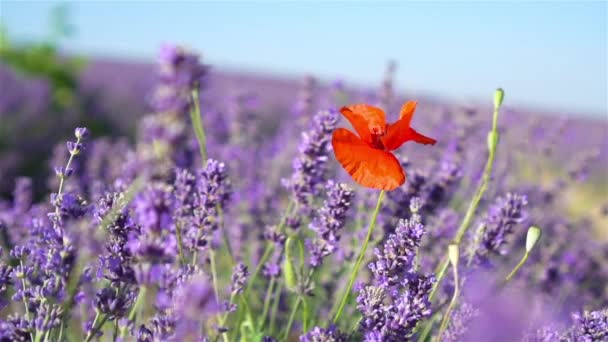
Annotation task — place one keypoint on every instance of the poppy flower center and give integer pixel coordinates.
(377, 133)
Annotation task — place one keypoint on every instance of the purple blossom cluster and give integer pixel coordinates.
(398, 299)
(329, 220)
(310, 166)
(506, 214)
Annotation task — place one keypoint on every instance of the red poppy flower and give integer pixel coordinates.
(367, 157)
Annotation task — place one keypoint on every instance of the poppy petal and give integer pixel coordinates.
(400, 131)
(365, 119)
(407, 111)
(369, 167)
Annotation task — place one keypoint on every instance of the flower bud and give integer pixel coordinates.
(453, 254)
(534, 234)
(81, 132)
(288, 269)
(499, 95)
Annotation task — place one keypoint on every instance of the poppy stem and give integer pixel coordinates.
(454, 256)
(355, 271)
(519, 265)
(481, 189)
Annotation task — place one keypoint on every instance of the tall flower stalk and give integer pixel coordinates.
(468, 218)
(355, 271)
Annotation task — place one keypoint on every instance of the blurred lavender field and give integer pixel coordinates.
(130, 233)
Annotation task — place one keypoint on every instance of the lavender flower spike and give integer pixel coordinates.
(502, 217)
(310, 165)
(329, 221)
(399, 298)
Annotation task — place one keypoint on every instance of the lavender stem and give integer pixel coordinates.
(357, 266)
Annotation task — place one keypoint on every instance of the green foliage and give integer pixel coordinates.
(42, 60)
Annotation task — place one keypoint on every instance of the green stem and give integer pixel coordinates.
(357, 266)
(305, 315)
(267, 298)
(267, 251)
(519, 265)
(225, 317)
(275, 307)
(62, 178)
(95, 329)
(468, 218)
(446, 316)
(292, 315)
(27, 310)
(225, 237)
(60, 337)
(115, 332)
(258, 268)
(197, 123)
(214, 275)
(427, 328)
(141, 296)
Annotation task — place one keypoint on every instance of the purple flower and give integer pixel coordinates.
(144, 334)
(81, 132)
(318, 334)
(179, 72)
(502, 217)
(193, 300)
(239, 279)
(114, 302)
(117, 261)
(589, 326)
(328, 222)
(545, 334)
(398, 299)
(459, 323)
(395, 259)
(212, 193)
(309, 167)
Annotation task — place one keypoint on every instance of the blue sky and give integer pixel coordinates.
(545, 55)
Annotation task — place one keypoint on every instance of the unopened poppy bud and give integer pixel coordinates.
(288, 269)
(534, 234)
(499, 95)
(492, 140)
(453, 254)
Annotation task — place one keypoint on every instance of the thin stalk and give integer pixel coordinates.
(115, 332)
(267, 298)
(141, 296)
(519, 265)
(292, 315)
(225, 317)
(448, 311)
(214, 276)
(60, 337)
(275, 307)
(225, 237)
(258, 268)
(197, 123)
(62, 178)
(468, 218)
(27, 310)
(95, 329)
(267, 251)
(305, 314)
(427, 328)
(357, 266)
